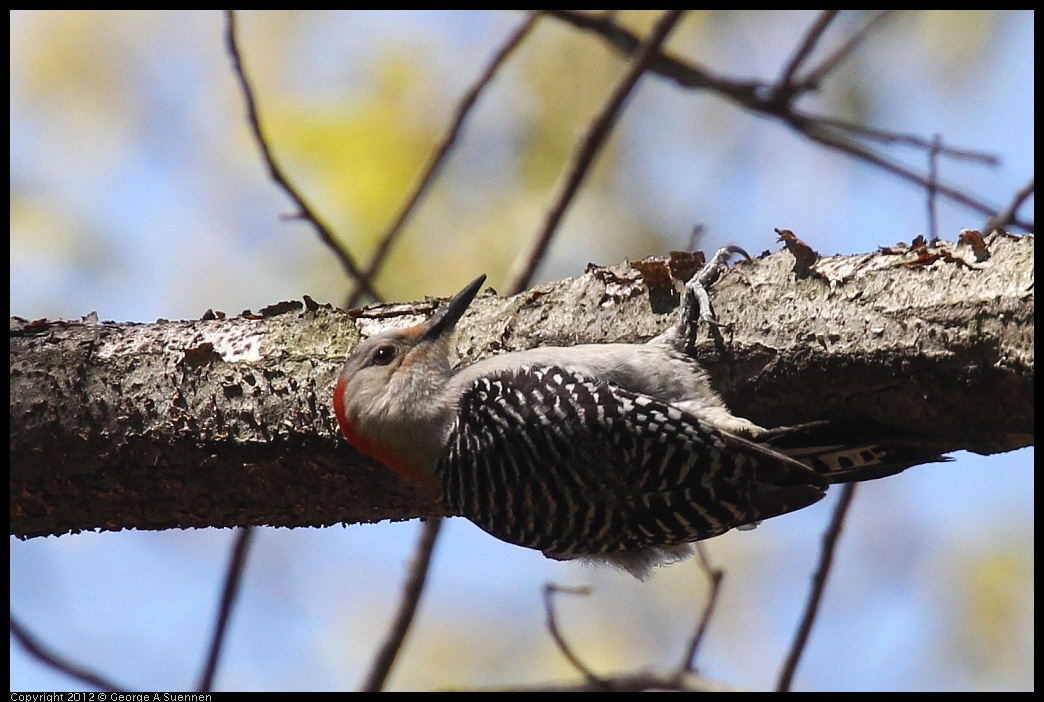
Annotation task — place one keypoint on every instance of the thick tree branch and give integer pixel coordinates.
(227, 422)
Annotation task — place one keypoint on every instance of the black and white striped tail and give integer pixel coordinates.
(851, 451)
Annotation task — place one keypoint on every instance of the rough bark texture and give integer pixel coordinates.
(228, 422)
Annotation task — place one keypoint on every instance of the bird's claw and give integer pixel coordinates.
(697, 299)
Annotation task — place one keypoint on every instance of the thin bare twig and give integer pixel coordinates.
(933, 177)
(826, 560)
(911, 140)
(304, 210)
(233, 577)
(439, 157)
(589, 147)
(644, 680)
(833, 60)
(412, 590)
(753, 96)
(550, 590)
(1007, 216)
(628, 43)
(714, 577)
(813, 129)
(786, 84)
(698, 232)
(36, 649)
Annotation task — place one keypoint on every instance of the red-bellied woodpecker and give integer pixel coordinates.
(616, 452)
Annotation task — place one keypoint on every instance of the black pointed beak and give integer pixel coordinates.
(447, 317)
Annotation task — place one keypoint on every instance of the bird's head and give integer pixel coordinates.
(388, 396)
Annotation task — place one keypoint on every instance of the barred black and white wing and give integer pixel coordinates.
(573, 466)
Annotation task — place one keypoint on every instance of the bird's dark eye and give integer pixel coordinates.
(384, 355)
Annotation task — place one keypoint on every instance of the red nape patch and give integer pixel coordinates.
(339, 410)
